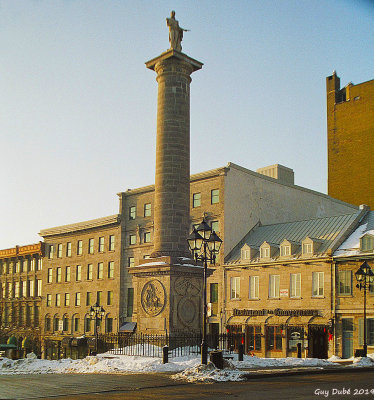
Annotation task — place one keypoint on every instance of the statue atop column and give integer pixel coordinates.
(175, 32)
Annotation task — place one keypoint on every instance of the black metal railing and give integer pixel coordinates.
(179, 344)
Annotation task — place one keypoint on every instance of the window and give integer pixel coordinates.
(99, 298)
(65, 323)
(146, 257)
(91, 244)
(254, 338)
(58, 300)
(318, 279)
(369, 331)
(132, 239)
(196, 200)
(56, 323)
(274, 338)
(253, 287)
(17, 266)
(131, 262)
(58, 274)
(78, 273)
(111, 269)
(215, 226)
(24, 289)
(39, 287)
(51, 250)
(214, 196)
(345, 282)
(89, 272)
(79, 247)
(101, 244)
(367, 243)
(88, 299)
(49, 276)
(67, 299)
(68, 249)
(214, 298)
(307, 248)
(274, 286)
(245, 254)
(48, 324)
(109, 325)
(285, 250)
(265, 252)
(130, 301)
(31, 288)
(88, 325)
(295, 285)
(112, 240)
(49, 300)
(132, 212)
(24, 265)
(59, 250)
(110, 298)
(235, 287)
(77, 299)
(39, 264)
(16, 290)
(100, 271)
(147, 210)
(67, 274)
(76, 324)
(147, 237)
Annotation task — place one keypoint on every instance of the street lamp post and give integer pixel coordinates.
(365, 278)
(96, 312)
(204, 244)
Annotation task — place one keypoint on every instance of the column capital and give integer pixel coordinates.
(176, 55)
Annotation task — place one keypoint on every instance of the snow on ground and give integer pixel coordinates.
(186, 367)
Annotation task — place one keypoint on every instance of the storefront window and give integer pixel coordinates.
(253, 338)
(274, 338)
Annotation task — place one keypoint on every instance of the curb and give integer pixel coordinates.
(328, 370)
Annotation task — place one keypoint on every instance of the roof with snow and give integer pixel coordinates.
(351, 246)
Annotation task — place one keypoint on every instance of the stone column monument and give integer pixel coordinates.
(168, 286)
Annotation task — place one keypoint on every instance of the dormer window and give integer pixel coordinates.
(265, 252)
(248, 253)
(367, 242)
(285, 250)
(308, 248)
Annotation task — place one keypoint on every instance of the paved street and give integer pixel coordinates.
(160, 386)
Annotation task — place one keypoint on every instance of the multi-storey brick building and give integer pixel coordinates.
(81, 267)
(350, 136)
(21, 295)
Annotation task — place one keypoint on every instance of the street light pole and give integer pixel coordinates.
(204, 244)
(97, 312)
(365, 278)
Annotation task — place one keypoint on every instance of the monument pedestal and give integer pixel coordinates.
(168, 295)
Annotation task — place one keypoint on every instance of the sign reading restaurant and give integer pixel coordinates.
(277, 311)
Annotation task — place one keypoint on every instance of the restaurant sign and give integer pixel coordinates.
(277, 312)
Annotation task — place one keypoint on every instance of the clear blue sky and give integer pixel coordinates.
(78, 106)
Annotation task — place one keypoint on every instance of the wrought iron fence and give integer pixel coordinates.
(152, 345)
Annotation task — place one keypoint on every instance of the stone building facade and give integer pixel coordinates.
(21, 288)
(81, 267)
(350, 136)
(348, 307)
(279, 287)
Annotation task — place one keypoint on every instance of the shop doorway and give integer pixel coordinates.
(318, 341)
(347, 328)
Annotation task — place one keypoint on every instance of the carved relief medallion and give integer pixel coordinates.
(186, 311)
(153, 297)
(187, 287)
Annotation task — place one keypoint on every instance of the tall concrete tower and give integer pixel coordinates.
(172, 183)
(167, 288)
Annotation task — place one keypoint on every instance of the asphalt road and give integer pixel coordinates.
(161, 386)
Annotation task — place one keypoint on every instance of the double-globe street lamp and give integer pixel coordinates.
(204, 244)
(365, 278)
(97, 312)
